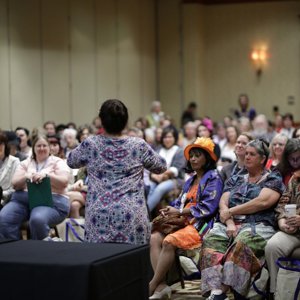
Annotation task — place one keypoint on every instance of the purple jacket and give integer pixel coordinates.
(208, 197)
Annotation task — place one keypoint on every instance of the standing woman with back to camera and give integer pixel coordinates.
(116, 208)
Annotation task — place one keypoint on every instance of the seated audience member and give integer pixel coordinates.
(84, 131)
(244, 110)
(135, 132)
(288, 125)
(288, 238)
(296, 133)
(36, 168)
(288, 160)
(55, 147)
(50, 128)
(166, 121)
(276, 149)
(8, 165)
(77, 193)
(278, 123)
(23, 135)
(189, 114)
(198, 202)
(97, 126)
(233, 251)
(190, 134)
(69, 139)
(157, 138)
(205, 129)
(156, 116)
(141, 123)
(228, 121)
(227, 153)
(60, 129)
(71, 125)
(237, 166)
(261, 128)
(244, 125)
(220, 136)
(161, 184)
(13, 143)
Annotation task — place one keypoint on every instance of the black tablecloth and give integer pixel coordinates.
(39, 270)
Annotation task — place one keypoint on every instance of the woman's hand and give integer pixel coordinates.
(38, 177)
(225, 215)
(231, 230)
(285, 227)
(285, 199)
(169, 210)
(78, 185)
(158, 178)
(293, 221)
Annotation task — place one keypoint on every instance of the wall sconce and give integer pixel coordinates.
(259, 59)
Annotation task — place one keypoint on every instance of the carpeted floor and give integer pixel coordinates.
(191, 291)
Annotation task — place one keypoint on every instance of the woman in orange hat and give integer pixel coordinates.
(199, 202)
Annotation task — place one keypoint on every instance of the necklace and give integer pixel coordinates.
(255, 179)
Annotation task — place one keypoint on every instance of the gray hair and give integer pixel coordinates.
(262, 148)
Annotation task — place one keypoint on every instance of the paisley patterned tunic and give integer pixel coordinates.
(116, 208)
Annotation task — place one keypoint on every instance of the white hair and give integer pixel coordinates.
(69, 131)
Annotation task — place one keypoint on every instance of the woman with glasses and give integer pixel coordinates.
(233, 251)
(284, 242)
(289, 161)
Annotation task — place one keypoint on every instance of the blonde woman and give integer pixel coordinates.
(276, 150)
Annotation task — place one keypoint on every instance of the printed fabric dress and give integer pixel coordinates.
(116, 208)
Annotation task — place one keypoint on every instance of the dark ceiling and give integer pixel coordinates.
(214, 2)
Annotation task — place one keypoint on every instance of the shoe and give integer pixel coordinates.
(218, 297)
(163, 294)
(238, 296)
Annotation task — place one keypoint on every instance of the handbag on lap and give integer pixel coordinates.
(39, 194)
(169, 224)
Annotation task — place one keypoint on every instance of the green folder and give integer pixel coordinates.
(39, 194)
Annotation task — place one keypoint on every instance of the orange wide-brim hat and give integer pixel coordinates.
(204, 143)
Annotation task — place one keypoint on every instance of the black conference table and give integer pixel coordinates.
(39, 270)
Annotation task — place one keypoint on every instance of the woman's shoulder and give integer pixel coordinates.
(213, 175)
(26, 162)
(273, 174)
(13, 159)
(56, 160)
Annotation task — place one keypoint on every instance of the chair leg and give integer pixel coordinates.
(179, 270)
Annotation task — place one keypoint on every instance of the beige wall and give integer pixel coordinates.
(61, 59)
(216, 42)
